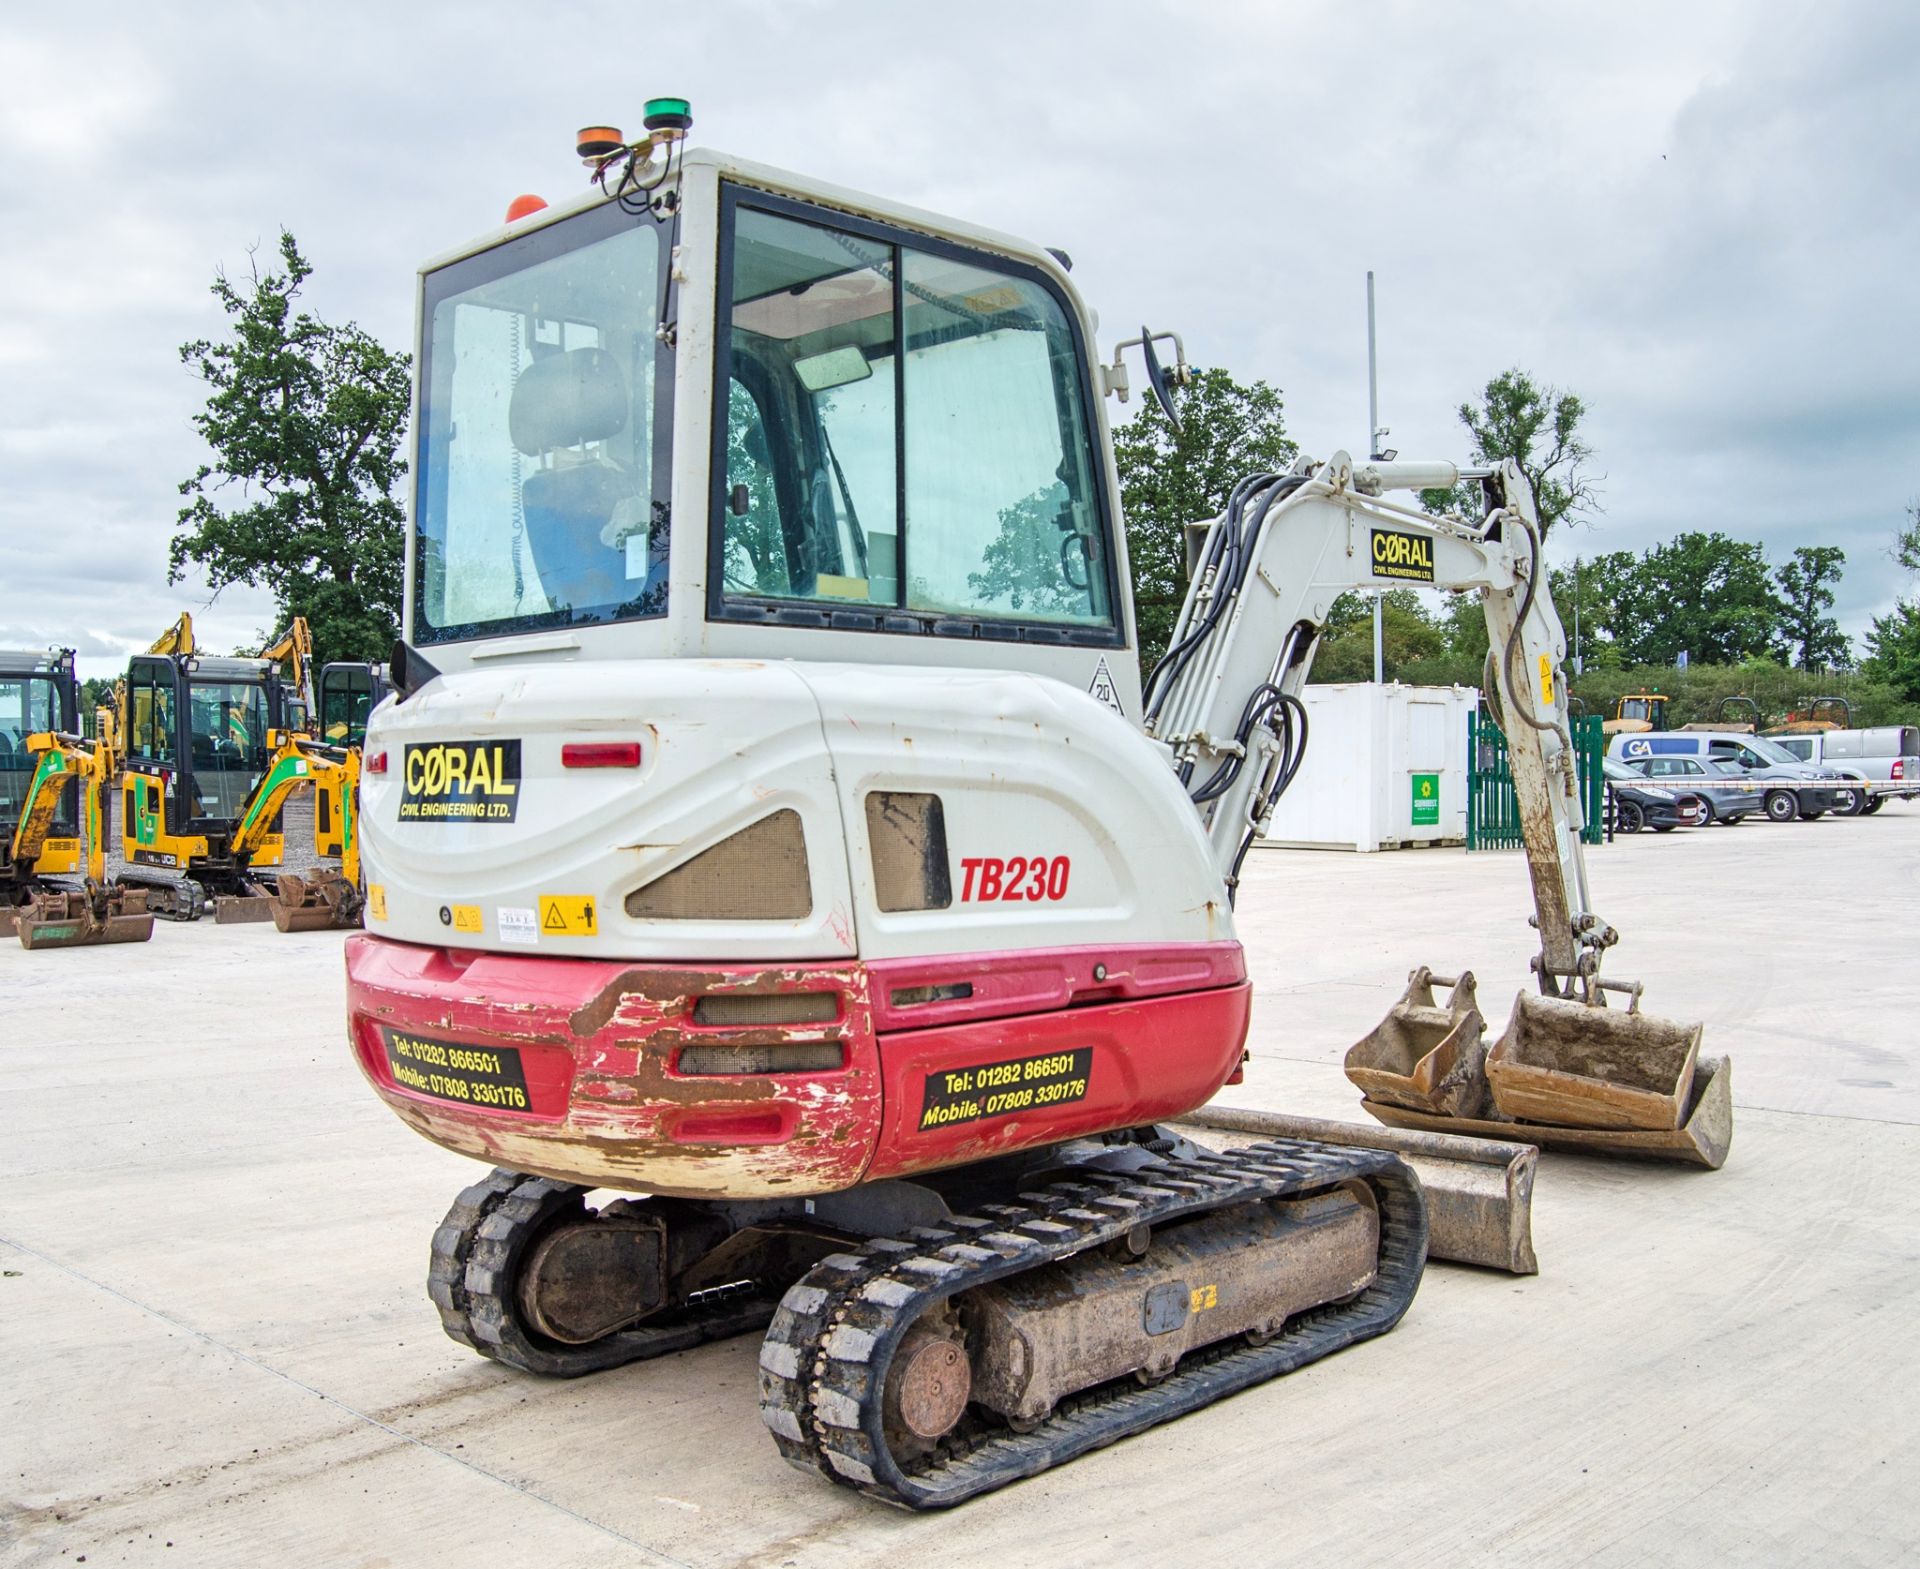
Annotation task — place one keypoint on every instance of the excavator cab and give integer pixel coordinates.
(39, 693)
(196, 745)
(349, 691)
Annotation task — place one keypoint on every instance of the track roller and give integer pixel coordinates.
(1051, 1332)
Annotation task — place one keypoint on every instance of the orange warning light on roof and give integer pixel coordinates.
(524, 207)
(599, 141)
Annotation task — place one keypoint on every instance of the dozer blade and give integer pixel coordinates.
(1425, 1057)
(81, 920)
(230, 909)
(1479, 1192)
(1571, 1064)
(316, 901)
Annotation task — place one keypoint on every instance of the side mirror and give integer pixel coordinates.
(1160, 380)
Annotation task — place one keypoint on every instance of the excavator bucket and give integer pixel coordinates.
(316, 901)
(231, 909)
(82, 919)
(1571, 1064)
(1425, 1057)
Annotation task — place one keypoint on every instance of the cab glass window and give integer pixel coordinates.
(227, 730)
(541, 487)
(26, 708)
(904, 433)
(346, 698)
(150, 712)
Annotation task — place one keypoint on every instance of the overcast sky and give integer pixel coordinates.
(1701, 217)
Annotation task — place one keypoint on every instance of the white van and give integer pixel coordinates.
(1788, 787)
(1886, 758)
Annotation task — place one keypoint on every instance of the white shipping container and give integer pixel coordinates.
(1378, 757)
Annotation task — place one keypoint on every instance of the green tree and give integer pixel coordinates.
(306, 418)
(1704, 595)
(1893, 650)
(1408, 635)
(1539, 428)
(1168, 480)
(1806, 596)
(1893, 644)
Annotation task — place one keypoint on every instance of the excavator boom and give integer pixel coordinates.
(1225, 700)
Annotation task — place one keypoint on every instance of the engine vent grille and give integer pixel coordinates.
(807, 1057)
(767, 1008)
(758, 874)
(908, 835)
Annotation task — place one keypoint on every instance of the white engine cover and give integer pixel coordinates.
(1034, 777)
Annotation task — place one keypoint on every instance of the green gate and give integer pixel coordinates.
(1493, 815)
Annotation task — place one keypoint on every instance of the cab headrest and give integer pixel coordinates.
(567, 399)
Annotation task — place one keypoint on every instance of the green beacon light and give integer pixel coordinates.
(668, 118)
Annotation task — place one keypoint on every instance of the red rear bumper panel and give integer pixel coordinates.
(573, 1068)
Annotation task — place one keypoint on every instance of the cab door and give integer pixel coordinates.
(153, 801)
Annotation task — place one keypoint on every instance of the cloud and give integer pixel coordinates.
(1709, 239)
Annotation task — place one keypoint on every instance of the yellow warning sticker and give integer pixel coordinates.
(377, 901)
(1546, 679)
(466, 918)
(567, 915)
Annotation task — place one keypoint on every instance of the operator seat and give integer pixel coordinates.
(560, 404)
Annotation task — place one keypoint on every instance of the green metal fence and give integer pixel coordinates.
(1493, 815)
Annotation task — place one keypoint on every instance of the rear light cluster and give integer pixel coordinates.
(1899, 768)
(374, 763)
(600, 754)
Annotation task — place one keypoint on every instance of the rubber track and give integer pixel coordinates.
(476, 1253)
(823, 1365)
(186, 899)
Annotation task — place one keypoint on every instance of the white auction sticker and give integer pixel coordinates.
(518, 924)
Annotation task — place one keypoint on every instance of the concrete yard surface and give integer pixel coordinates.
(218, 1350)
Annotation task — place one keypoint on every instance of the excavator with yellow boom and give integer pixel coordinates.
(211, 757)
(771, 824)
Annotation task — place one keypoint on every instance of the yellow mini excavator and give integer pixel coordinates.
(38, 694)
(58, 764)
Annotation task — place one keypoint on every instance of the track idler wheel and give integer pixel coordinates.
(928, 1385)
(85, 919)
(314, 901)
(525, 1273)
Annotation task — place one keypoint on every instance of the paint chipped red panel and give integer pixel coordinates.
(599, 1043)
(1151, 1059)
(608, 1104)
(1041, 979)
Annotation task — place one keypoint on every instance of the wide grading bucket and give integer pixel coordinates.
(1426, 1057)
(81, 919)
(1574, 1065)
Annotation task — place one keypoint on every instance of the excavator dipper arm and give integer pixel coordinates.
(1225, 700)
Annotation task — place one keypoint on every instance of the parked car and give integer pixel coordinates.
(1638, 804)
(1718, 781)
(1885, 758)
(1788, 789)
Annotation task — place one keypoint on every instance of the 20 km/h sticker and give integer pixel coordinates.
(997, 1089)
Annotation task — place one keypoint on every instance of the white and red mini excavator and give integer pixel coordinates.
(770, 823)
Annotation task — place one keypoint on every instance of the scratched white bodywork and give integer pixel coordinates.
(1024, 766)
